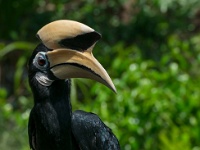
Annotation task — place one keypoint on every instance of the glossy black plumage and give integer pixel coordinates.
(91, 133)
(52, 126)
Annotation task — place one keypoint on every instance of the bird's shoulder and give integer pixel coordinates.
(91, 133)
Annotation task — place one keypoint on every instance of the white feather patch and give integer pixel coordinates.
(43, 79)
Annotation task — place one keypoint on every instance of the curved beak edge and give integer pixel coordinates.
(66, 63)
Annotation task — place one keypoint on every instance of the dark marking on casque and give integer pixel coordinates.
(81, 42)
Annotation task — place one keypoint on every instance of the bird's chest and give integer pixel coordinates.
(51, 131)
(46, 119)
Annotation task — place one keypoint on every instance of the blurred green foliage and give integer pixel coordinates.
(150, 49)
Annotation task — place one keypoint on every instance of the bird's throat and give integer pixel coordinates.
(60, 100)
(53, 117)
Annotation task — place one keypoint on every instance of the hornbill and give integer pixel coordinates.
(65, 52)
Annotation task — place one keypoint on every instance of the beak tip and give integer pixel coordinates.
(115, 91)
(112, 87)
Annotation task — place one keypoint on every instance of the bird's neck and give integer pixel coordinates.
(55, 115)
(60, 100)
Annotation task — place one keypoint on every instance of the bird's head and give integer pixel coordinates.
(66, 52)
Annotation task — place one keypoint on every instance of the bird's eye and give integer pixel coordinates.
(40, 61)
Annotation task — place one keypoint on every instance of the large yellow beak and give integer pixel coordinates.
(67, 63)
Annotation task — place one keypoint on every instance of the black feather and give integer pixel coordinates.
(91, 133)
